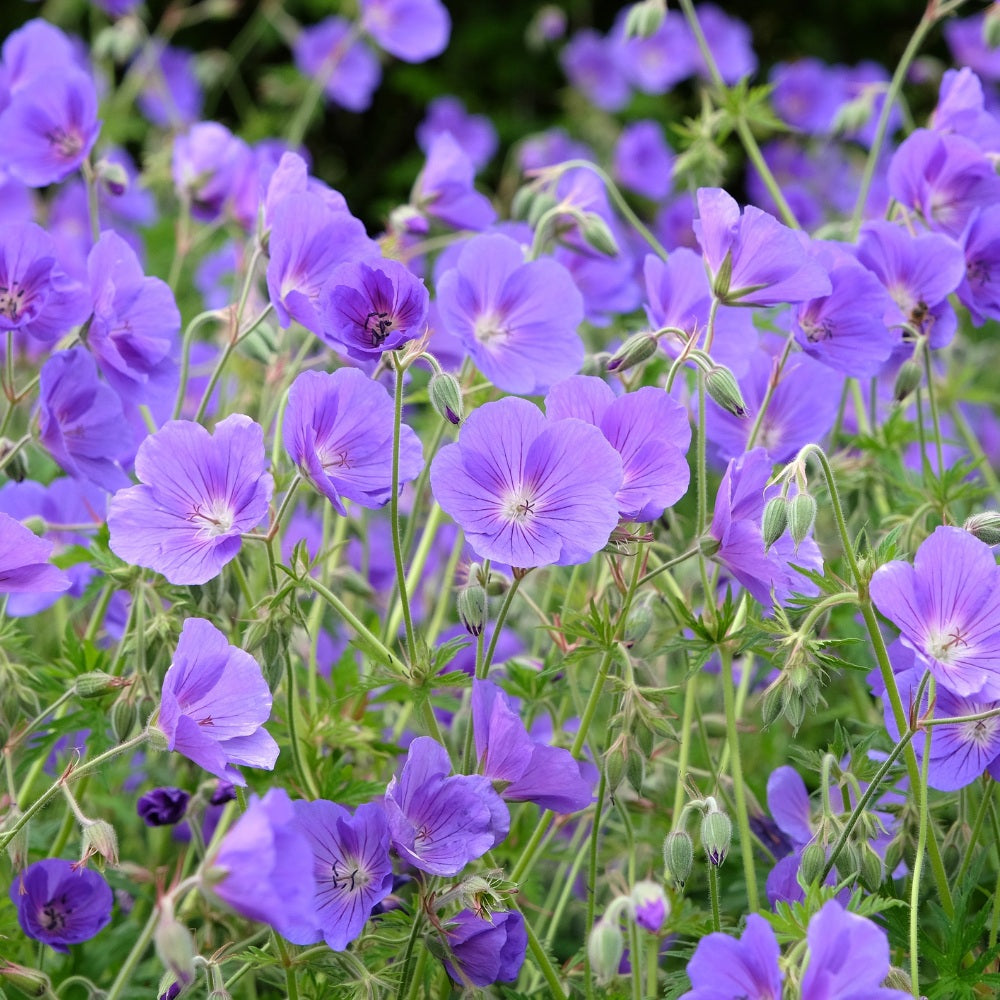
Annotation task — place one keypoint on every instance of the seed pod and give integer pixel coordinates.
(614, 768)
(638, 348)
(472, 608)
(446, 397)
(775, 520)
(801, 516)
(721, 385)
(812, 864)
(678, 856)
(908, 379)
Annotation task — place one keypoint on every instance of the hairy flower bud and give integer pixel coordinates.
(446, 397)
(605, 947)
(801, 516)
(31, 982)
(638, 348)
(16, 468)
(985, 526)
(678, 856)
(908, 379)
(637, 623)
(598, 234)
(614, 767)
(645, 19)
(472, 608)
(635, 769)
(716, 836)
(174, 945)
(543, 202)
(775, 520)
(94, 683)
(812, 864)
(650, 905)
(721, 385)
(99, 841)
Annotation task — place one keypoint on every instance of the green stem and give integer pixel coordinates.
(484, 668)
(367, 637)
(291, 980)
(713, 895)
(292, 708)
(918, 864)
(592, 876)
(200, 320)
(736, 771)
(404, 980)
(397, 552)
(772, 384)
(684, 750)
(977, 827)
(133, 957)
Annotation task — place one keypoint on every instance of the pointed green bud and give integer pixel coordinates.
(31, 982)
(96, 682)
(645, 19)
(635, 769)
(605, 947)
(472, 608)
(521, 203)
(100, 842)
(17, 467)
(812, 864)
(908, 379)
(720, 283)
(112, 175)
(446, 397)
(985, 526)
(991, 27)
(898, 980)
(644, 737)
(542, 202)
(175, 947)
(124, 718)
(775, 520)
(872, 870)
(721, 385)
(596, 364)
(638, 348)
(156, 738)
(598, 234)
(716, 836)
(614, 768)
(638, 622)
(793, 707)
(678, 857)
(771, 705)
(801, 516)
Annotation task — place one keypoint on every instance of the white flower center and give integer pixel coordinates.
(489, 329)
(519, 505)
(215, 519)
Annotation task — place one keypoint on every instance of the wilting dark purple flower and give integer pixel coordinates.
(439, 822)
(919, 272)
(474, 133)
(944, 178)
(643, 160)
(171, 95)
(411, 30)
(134, 328)
(514, 482)
(736, 525)
(214, 704)
(596, 66)
(753, 259)
(198, 493)
(530, 770)
(372, 307)
(309, 240)
(445, 188)
(484, 951)
(50, 126)
(263, 868)
(330, 52)
(517, 319)
(59, 903)
(351, 865)
(748, 968)
(206, 163)
(81, 422)
(36, 296)
(647, 428)
(163, 806)
(338, 430)
(947, 608)
(848, 958)
(24, 561)
(846, 329)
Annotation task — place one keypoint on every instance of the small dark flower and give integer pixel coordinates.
(162, 806)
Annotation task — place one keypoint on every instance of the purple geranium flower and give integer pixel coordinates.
(81, 421)
(647, 428)
(518, 319)
(207, 161)
(979, 291)
(723, 967)
(484, 951)
(530, 770)
(411, 30)
(24, 561)
(439, 822)
(947, 608)
(338, 430)
(134, 327)
(961, 109)
(655, 64)
(474, 133)
(263, 868)
(329, 51)
(351, 864)
(59, 903)
(171, 95)
(198, 494)
(596, 66)
(643, 160)
(50, 126)
(753, 259)
(372, 307)
(445, 189)
(214, 703)
(163, 806)
(35, 50)
(515, 483)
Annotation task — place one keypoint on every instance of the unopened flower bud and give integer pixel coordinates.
(678, 856)
(124, 717)
(446, 397)
(31, 982)
(801, 516)
(716, 836)
(898, 979)
(635, 769)
(540, 204)
(908, 379)
(872, 871)
(605, 947)
(650, 905)
(598, 234)
(175, 947)
(793, 707)
(771, 707)
(985, 526)
(991, 27)
(112, 176)
(812, 864)
(520, 204)
(637, 623)
(645, 19)
(472, 607)
(614, 767)
(99, 841)
(775, 520)
(596, 364)
(16, 468)
(721, 385)
(95, 683)
(638, 348)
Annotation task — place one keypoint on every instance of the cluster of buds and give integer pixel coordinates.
(716, 833)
